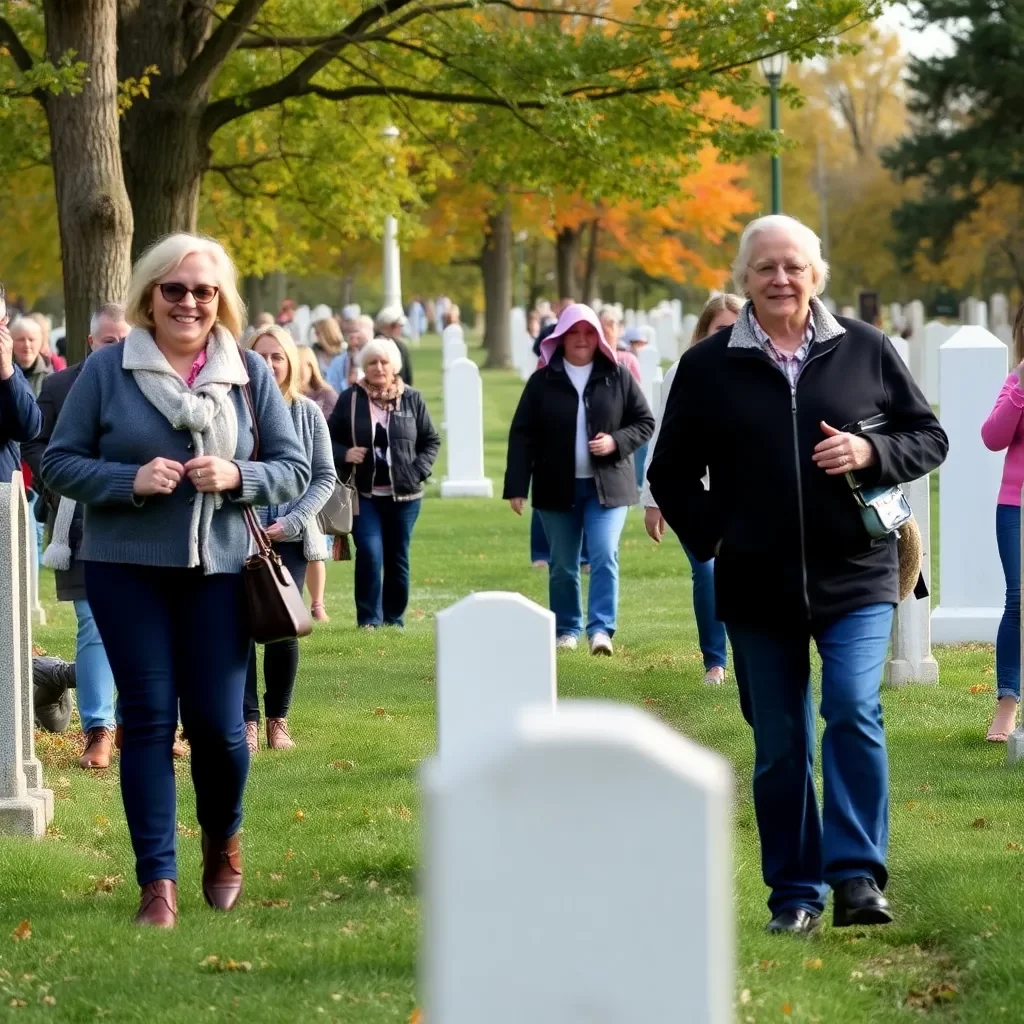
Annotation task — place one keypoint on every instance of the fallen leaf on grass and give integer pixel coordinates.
(276, 904)
(344, 766)
(214, 963)
(910, 805)
(300, 815)
(814, 965)
(1013, 846)
(416, 1017)
(16, 1003)
(934, 995)
(979, 823)
(787, 1010)
(23, 932)
(983, 688)
(49, 1001)
(38, 651)
(275, 878)
(767, 965)
(105, 883)
(745, 997)
(381, 713)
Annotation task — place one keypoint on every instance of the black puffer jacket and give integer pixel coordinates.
(542, 438)
(792, 543)
(413, 442)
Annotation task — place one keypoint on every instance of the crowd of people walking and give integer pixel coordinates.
(185, 433)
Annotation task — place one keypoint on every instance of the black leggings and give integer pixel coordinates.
(281, 659)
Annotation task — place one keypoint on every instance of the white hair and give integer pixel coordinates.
(23, 321)
(806, 240)
(381, 347)
(109, 311)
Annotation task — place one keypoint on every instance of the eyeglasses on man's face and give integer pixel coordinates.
(767, 270)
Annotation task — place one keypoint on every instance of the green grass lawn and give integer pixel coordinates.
(328, 925)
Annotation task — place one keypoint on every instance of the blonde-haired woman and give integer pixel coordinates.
(718, 312)
(328, 343)
(312, 383)
(156, 441)
(388, 455)
(296, 536)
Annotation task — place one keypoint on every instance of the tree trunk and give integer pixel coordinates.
(567, 244)
(496, 265)
(533, 279)
(92, 204)
(252, 293)
(590, 273)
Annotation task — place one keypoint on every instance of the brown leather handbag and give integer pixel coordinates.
(276, 609)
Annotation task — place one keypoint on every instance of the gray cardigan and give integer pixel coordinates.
(299, 516)
(108, 429)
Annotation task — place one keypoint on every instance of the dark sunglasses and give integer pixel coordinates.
(174, 291)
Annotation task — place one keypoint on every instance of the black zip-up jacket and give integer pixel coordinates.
(792, 543)
(542, 438)
(412, 442)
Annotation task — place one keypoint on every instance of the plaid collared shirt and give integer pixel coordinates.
(790, 363)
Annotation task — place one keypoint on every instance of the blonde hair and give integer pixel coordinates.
(808, 242)
(381, 347)
(291, 388)
(715, 305)
(307, 357)
(328, 335)
(44, 330)
(167, 255)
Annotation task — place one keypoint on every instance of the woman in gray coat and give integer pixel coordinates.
(296, 534)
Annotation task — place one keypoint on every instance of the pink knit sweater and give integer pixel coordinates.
(1004, 430)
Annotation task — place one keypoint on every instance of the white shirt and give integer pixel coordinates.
(579, 375)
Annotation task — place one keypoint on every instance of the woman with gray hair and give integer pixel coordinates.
(788, 411)
(385, 443)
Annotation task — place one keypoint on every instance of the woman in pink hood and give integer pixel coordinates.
(579, 421)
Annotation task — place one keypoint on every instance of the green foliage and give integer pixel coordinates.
(968, 110)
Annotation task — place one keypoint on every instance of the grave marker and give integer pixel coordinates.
(453, 345)
(464, 426)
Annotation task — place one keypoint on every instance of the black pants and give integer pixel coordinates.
(281, 659)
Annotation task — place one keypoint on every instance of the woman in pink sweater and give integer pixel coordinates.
(1004, 431)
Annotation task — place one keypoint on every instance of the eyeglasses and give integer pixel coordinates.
(770, 270)
(175, 291)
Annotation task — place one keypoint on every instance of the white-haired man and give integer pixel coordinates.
(781, 410)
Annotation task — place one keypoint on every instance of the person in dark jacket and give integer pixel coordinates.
(580, 418)
(95, 679)
(770, 408)
(20, 418)
(388, 455)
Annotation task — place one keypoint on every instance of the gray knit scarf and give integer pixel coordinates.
(205, 410)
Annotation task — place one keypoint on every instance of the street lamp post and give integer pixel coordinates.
(773, 67)
(392, 256)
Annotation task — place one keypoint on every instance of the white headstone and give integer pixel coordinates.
(300, 325)
(25, 807)
(630, 318)
(35, 606)
(902, 346)
(453, 345)
(896, 317)
(1004, 332)
(910, 660)
(580, 872)
(650, 367)
(479, 698)
(661, 321)
(914, 314)
(925, 363)
(999, 310)
(974, 365)
(522, 344)
(464, 424)
(686, 331)
(677, 316)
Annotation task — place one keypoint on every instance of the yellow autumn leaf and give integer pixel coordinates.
(23, 932)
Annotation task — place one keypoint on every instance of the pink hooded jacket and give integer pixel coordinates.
(572, 315)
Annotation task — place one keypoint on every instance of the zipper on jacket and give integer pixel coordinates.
(586, 406)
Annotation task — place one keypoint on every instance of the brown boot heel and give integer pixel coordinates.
(158, 905)
(222, 871)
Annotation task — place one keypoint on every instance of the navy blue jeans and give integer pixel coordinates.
(1008, 635)
(280, 659)
(170, 635)
(801, 855)
(382, 532)
(710, 632)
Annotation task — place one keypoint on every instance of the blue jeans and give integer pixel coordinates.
(1008, 636)
(710, 632)
(175, 634)
(640, 464)
(540, 550)
(382, 532)
(565, 531)
(95, 685)
(801, 855)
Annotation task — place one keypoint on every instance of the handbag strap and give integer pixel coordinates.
(259, 535)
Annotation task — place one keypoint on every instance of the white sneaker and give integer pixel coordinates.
(566, 642)
(601, 643)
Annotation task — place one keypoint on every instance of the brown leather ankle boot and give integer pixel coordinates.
(158, 906)
(97, 748)
(222, 871)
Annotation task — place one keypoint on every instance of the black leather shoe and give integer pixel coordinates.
(793, 922)
(858, 901)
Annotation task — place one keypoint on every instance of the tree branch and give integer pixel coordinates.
(197, 78)
(9, 38)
